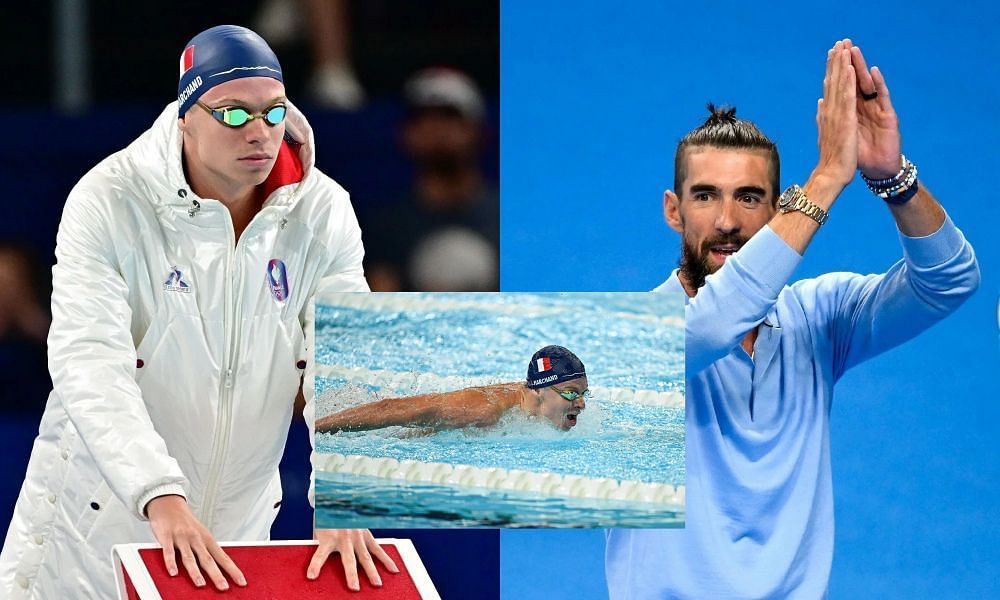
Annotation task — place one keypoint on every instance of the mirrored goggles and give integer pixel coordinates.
(571, 395)
(237, 116)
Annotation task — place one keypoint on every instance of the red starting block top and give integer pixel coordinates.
(274, 571)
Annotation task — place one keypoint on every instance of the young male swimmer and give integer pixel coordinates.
(555, 389)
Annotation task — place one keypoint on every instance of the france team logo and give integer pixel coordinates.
(277, 280)
(187, 60)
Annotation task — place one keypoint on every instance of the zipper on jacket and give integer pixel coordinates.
(234, 282)
(231, 325)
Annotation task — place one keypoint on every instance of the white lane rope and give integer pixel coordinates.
(550, 484)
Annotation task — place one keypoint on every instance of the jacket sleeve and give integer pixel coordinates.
(92, 359)
(344, 273)
(736, 298)
(867, 315)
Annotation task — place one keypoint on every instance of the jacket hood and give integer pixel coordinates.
(158, 156)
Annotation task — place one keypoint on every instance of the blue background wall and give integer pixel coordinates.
(593, 102)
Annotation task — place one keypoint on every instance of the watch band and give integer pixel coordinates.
(794, 199)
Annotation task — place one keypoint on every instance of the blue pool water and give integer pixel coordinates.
(612, 334)
(406, 344)
(617, 440)
(357, 501)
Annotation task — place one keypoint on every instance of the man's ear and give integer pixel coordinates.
(672, 211)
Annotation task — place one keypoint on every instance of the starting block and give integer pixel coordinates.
(274, 570)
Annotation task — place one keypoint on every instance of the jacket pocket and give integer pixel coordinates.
(147, 351)
(82, 488)
(97, 504)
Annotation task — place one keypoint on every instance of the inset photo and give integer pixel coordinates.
(499, 410)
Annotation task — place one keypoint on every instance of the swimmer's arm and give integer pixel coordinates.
(382, 413)
(448, 410)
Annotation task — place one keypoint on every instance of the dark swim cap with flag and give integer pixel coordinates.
(552, 365)
(221, 54)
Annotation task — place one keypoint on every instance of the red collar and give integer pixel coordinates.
(287, 170)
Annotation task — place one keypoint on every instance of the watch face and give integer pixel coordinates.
(786, 198)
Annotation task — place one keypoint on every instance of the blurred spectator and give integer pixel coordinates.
(24, 324)
(445, 235)
(333, 83)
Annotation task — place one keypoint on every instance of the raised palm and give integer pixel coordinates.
(878, 125)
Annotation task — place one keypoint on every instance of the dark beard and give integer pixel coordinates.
(695, 266)
(443, 164)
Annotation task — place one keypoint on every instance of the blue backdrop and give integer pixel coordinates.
(593, 102)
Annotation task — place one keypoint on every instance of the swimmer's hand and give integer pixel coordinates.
(178, 530)
(354, 546)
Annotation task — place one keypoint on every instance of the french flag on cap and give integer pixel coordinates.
(543, 364)
(187, 60)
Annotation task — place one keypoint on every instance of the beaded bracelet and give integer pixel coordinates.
(881, 183)
(904, 196)
(898, 189)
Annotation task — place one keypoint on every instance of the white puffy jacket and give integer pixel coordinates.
(174, 364)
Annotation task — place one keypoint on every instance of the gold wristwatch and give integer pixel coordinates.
(794, 198)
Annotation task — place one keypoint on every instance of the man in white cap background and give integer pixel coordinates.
(185, 265)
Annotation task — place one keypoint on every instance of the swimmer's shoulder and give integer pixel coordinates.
(503, 395)
(511, 386)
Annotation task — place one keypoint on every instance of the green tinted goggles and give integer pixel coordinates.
(571, 395)
(237, 116)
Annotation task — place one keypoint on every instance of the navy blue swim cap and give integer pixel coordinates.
(221, 54)
(552, 365)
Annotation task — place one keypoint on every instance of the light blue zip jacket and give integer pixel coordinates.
(759, 490)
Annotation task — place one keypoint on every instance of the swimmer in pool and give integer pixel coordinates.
(555, 389)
